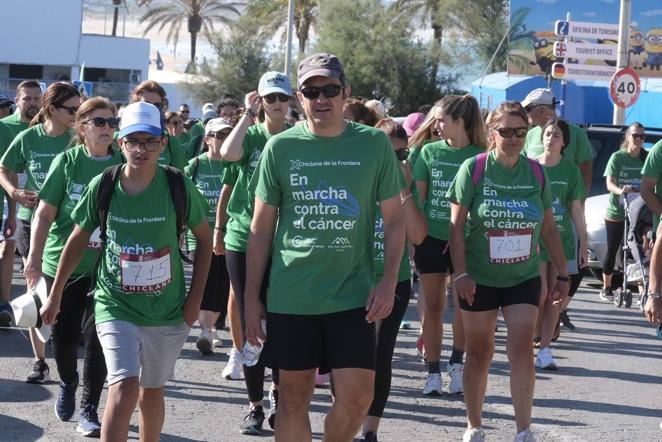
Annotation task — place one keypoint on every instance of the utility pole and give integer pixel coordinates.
(288, 50)
(623, 48)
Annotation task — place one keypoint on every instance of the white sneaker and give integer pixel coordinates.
(474, 435)
(233, 370)
(455, 375)
(545, 360)
(216, 339)
(525, 436)
(204, 342)
(433, 385)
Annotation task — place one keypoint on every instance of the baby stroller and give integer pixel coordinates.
(638, 229)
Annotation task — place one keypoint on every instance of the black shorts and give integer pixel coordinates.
(491, 298)
(433, 256)
(330, 341)
(23, 230)
(217, 289)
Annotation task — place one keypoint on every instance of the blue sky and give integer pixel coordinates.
(646, 14)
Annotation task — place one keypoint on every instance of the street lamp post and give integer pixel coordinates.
(288, 49)
(623, 48)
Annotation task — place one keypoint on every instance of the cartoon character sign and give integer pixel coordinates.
(543, 45)
(653, 47)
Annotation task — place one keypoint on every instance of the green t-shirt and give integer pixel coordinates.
(404, 273)
(193, 147)
(414, 153)
(141, 279)
(240, 206)
(653, 169)
(33, 151)
(627, 171)
(565, 180)
(326, 189)
(6, 137)
(183, 138)
(197, 129)
(506, 210)
(578, 150)
(173, 154)
(70, 173)
(437, 166)
(14, 122)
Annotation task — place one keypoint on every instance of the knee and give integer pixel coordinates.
(357, 402)
(481, 356)
(293, 399)
(125, 391)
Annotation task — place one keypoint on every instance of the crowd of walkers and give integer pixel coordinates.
(304, 236)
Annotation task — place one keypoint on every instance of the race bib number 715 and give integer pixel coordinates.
(146, 273)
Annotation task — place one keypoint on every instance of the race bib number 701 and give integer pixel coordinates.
(509, 246)
(146, 273)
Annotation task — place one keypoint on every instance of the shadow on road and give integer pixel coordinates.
(18, 430)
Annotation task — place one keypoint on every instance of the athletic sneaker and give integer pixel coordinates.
(253, 422)
(607, 295)
(205, 342)
(6, 315)
(525, 436)
(233, 370)
(273, 406)
(565, 320)
(370, 436)
(216, 338)
(433, 385)
(40, 372)
(405, 325)
(475, 434)
(65, 405)
(88, 422)
(455, 375)
(545, 360)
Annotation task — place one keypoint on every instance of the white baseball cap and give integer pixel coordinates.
(207, 107)
(274, 82)
(140, 117)
(539, 97)
(216, 124)
(26, 310)
(208, 115)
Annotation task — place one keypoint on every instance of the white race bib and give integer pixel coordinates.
(509, 246)
(146, 273)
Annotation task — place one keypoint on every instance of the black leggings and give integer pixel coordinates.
(254, 376)
(614, 242)
(76, 313)
(387, 333)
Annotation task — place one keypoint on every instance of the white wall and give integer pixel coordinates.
(100, 51)
(29, 28)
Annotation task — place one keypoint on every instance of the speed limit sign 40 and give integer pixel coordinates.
(625, 87)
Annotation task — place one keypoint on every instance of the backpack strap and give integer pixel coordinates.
(178, 194)
(196, 165)
(536, 167)
(479, 168)
(105, 192)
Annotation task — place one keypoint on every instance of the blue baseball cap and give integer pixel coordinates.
(140, 117)
(274, 82)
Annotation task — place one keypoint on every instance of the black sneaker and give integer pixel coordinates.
(565, 320)
(606, 295)
(40, 373)
(253, 422)
(370, 437)
(88, 422)
(6, 315)
(65, 405)
(273, 406)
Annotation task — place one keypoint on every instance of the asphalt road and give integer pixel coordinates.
(608, 388)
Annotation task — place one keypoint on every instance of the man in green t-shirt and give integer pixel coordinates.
(540, 104)
(651, 182)
(28, 102)
(316, 186)
(142, 313)
(6, 106)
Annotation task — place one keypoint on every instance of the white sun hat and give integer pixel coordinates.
(26, 310)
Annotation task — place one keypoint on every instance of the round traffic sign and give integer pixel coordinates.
(625, 87)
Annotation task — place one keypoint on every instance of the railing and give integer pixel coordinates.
(116, 92)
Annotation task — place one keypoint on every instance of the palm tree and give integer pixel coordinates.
(273, 16)
(426, 11)
(200, 15)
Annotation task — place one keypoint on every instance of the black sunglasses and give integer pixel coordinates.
(640, 136)
(219, 135)
(329, 91)
(6, 105)
(159, 106)
(271, 98)
(71, 110)
(112, 122)
(508, 132)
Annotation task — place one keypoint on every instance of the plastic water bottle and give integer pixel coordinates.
(252, 352)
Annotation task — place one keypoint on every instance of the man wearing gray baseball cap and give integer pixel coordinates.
(316, 189)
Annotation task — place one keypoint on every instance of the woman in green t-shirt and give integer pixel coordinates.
(500, 209)
(425, 133)
(568, 193)
(460, 125)
(69, 175)
(623, 173)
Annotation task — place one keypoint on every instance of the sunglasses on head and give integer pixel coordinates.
(329, 91)
(112, 122)
(70, 110)
(508, 132)
(640, 136)
(271, 98)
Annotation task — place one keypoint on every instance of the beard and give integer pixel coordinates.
(30, 112)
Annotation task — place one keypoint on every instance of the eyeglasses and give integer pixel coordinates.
(271, 98)
(113, 123)
(329, 91)
(508, 132)
(640, 136)
(218, 135)
(184, 111)
(149, 145)
(71, 110)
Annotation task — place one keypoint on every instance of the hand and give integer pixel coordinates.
(25, 198)
(406, 171)
(50, 310)
(191, 312)
(219, 242)
(559, 292)
(627, 189)
(380, 301)
(466, 289)
(583, 256)
(252, 101)
(254, 314)
(32, 271)
(653, 310)
(9, 227)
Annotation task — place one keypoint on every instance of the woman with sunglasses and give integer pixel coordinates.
(500, 210)
(68, 177)
(243, 147)
(623, 174)
(460, 125)
(175, 126)
(32, 152)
